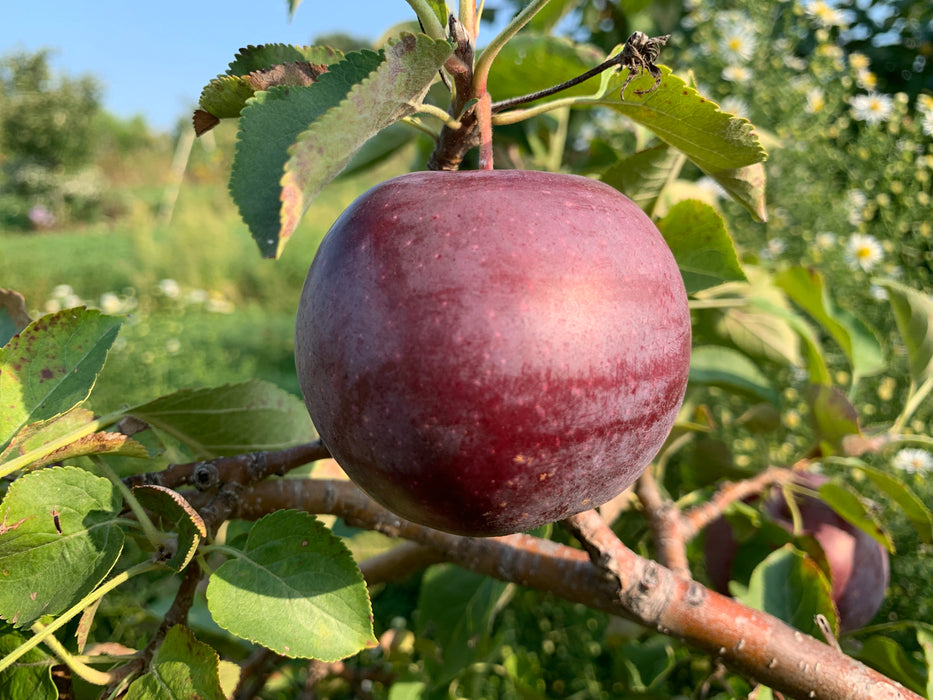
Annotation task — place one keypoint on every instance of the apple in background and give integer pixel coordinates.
(485, 352)
(858, 564)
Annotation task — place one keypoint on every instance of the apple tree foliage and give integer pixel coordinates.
(156, 551)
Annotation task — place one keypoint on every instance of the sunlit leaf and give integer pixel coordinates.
(911, 505)
(913, 313)
(183, 667)
(51, 367)
(643, 175)
(731, 370)
(44, 434)
(59, 539)
(704, 250)
(230, 419)
(269, 125)
(393, 91)
(723, 146)
(808, 289)
(295, 589)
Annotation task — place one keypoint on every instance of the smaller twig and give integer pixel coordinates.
(638, 55)
(254, 673)
(666, 523)
(698, 517)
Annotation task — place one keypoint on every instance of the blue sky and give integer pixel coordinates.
(153, 58)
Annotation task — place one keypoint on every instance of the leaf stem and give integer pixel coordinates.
(79, 668)
(915, 397)
(152, 533)
(429, 22)
(74, 611)
(583, 77)
(34, 455)
(438, 113)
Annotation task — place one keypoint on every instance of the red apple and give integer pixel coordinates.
(858, 564)
(485, 352)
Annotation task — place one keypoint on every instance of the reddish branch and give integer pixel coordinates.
(614, 579)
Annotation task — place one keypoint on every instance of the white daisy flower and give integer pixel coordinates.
(816, 100)
(736, 74)
(826, 15)
(825, 240)
(773, 248)
(170, 288)
(110, 303)
(913, 461)
(872, 108)
(927, 124)
(863, 251)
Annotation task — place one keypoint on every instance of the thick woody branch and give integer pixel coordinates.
(242, 469)
(619, 582)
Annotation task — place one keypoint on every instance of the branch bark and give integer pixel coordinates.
(619, 582)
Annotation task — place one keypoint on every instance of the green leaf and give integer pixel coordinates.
(911, 505)
(440, 10)
(888, 657)
(816, 364)
(230, 419)
(51, 367)
(254, 58)
(913, 313)
(36, 436)
(723, 146)
(269, 125)
(176, 513)
(833, 416)
(552, 13)
(807, 288)
(182, 668)
(294, 589)
(226, 95)
(704, 250)
(538, 61)
(393, 91)
(642, 176)
(59, 539)
(31, 675)
(793, 588)
(456, 608)
(849, 505)
(13, 315)
(729, 369)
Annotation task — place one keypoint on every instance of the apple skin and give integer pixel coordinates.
(485, 352)
(859, 565)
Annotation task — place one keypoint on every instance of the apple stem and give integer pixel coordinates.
(484, 117)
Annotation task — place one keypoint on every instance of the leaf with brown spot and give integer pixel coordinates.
(51, 366)
(296, 73)
(255, 69)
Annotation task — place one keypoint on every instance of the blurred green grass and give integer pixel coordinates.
(203, 308)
